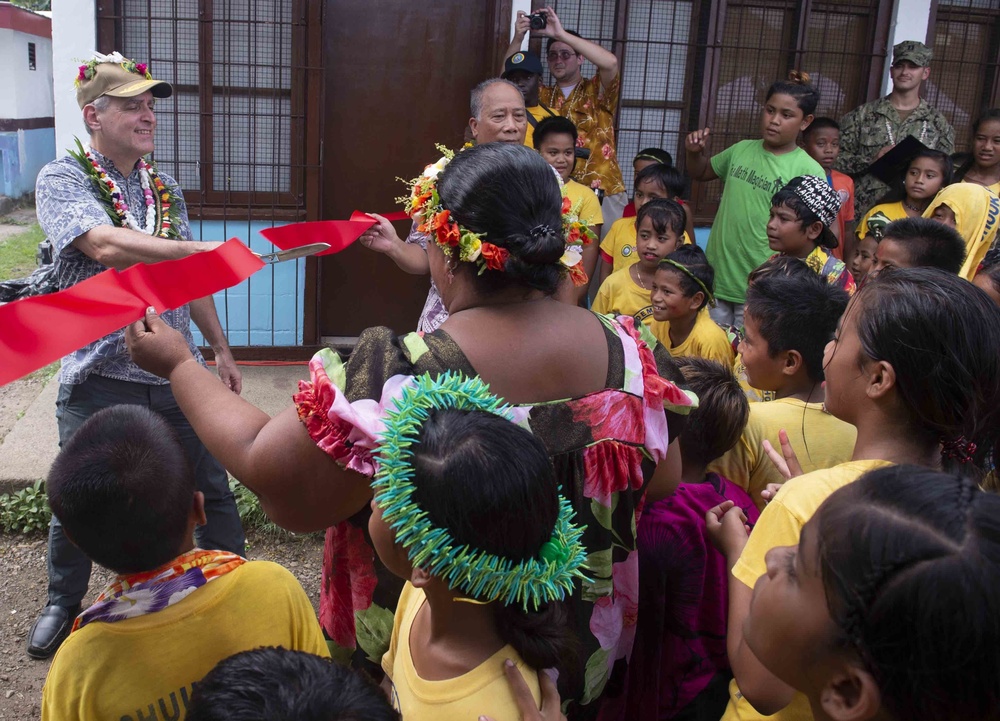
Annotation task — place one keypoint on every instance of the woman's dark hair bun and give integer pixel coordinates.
(511, 196)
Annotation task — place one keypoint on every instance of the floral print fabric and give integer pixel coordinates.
(604, 447)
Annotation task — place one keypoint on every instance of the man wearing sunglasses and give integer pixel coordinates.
(590, 103)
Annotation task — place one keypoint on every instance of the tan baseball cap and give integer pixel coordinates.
(110, 78)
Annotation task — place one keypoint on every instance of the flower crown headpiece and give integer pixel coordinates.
(424, 206)
(89, 68)
(536, 581)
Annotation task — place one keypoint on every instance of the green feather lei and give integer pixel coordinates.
(533, 582)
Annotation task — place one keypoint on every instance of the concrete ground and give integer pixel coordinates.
(28, 449)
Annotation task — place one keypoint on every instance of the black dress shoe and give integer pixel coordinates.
(50, 630)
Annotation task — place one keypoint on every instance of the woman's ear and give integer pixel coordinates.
(851, 695)
(881, 379)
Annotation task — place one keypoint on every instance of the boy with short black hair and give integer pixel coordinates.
(789, 319)
(126, 497)
(274, 683)
(920, 243)
(822, 141)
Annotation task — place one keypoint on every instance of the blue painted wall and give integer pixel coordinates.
(267, 308)
(18, 171)
(701, 237)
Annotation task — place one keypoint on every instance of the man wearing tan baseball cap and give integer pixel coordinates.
(106, 205)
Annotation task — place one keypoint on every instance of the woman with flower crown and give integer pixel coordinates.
(595, 390)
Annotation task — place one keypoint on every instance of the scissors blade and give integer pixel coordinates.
(294, 253)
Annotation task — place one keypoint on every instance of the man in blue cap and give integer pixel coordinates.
(524, 69)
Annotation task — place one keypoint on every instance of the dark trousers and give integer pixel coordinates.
(69, 568)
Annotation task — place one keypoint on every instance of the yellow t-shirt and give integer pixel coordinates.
(706, 340)
(621, 295)
(483, 690)
(619, 244)
(880, 216)
(820, 441)
(585, 203)
(538, 113)
(780, 525)
(145, 666)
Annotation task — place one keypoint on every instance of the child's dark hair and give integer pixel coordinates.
(820, 123)
(658, 155)
(123, 489)
(930, 244)
(786, 265)
(797, 312)
(511, 194)
(663, 214)
(991, 267)
(700, 275)
(717, 423)
(275, 684)
(797, 85)
(491, 484)
(939, 333)
(666, 176)
(968, 158)
(906, 548)
(897, 189)
(553, 125)
(788, 198)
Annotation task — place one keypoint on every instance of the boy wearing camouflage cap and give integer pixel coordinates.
(870, 131)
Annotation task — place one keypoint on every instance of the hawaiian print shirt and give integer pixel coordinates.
(867, 129)
(68, 205)
(591, 107)
(434, 313)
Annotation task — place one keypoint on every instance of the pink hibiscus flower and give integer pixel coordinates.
(608, 468)
(614, 617)
(606, 151)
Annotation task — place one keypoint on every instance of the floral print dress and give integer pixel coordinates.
(604, 447)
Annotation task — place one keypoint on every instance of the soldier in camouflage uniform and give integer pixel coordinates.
(870, 131)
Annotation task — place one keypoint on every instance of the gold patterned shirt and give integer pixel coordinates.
(591, 107)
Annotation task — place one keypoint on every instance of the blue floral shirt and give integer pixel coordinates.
(68, 205)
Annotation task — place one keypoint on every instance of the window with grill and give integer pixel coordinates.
(32, 65)
(964, 78)
(688, 64)
(233, 132)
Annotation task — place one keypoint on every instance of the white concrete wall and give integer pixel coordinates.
(26, 93)
(74, 38)
(524, 5)
(910, 21)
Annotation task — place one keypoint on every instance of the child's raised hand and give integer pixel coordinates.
(550, 710)
(727, 529)
(697, 141)
(381, 237)
(769, 490)
(786, 462)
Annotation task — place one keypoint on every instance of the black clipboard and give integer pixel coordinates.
(892, 166)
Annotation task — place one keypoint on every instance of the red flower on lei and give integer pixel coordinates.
(445, 230)
(348, 582)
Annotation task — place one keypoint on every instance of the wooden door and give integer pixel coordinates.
(397, 77)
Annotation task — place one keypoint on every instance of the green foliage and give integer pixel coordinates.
(33, 4)
(17, 253)
(26, 511)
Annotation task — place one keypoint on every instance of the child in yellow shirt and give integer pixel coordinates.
(626, 292)
(682, 291)
(618, 249)
(467, 509)
(789, 321)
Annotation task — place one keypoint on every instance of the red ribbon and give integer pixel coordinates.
(39, 330)
(338, 234)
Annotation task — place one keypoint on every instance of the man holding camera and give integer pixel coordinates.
(590, 103)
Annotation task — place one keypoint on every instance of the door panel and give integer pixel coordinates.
(397, 81)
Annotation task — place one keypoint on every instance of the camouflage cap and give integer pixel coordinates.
(912, 51)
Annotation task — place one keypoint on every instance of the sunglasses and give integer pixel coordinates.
(561, 55)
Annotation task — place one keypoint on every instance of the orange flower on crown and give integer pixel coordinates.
(445, 229)
(494, 256)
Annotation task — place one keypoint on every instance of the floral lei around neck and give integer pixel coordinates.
(162, 218)
(424, 206)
